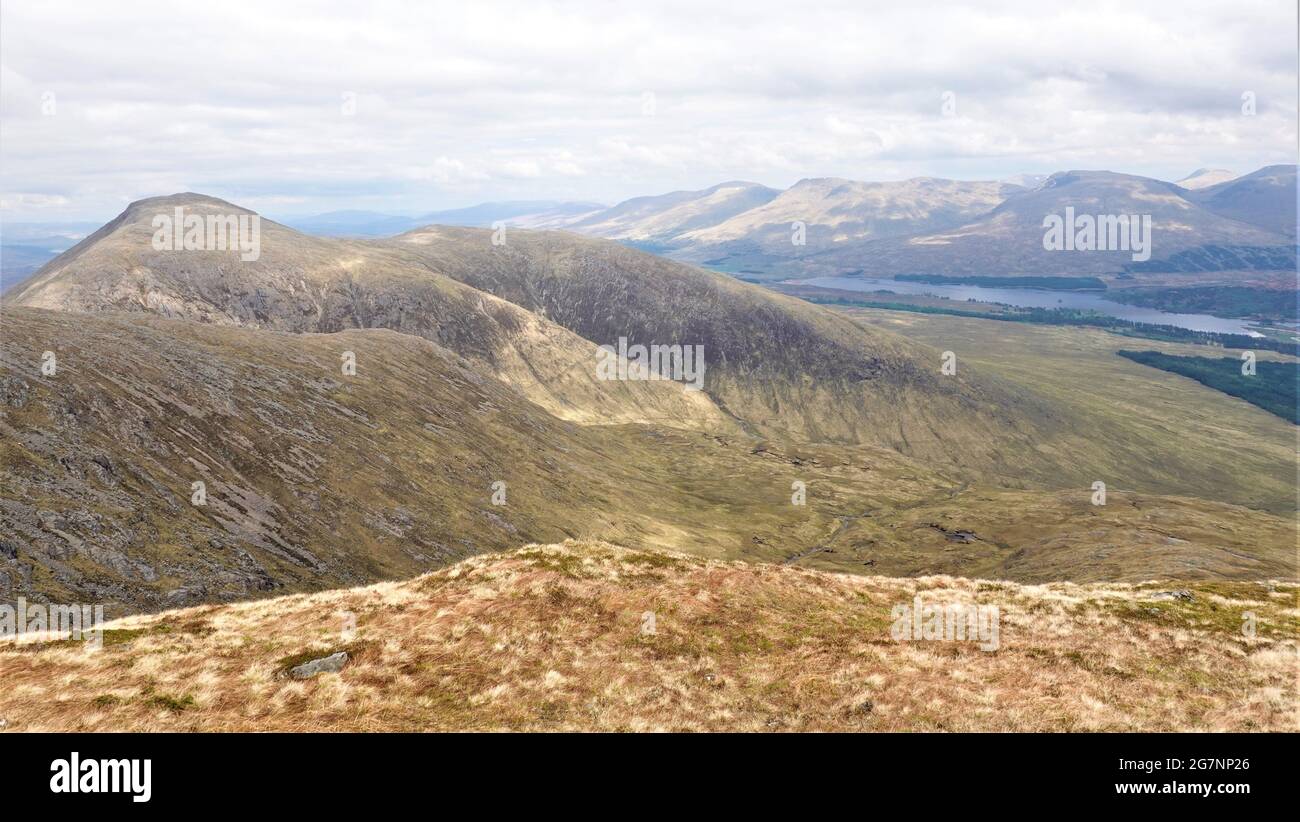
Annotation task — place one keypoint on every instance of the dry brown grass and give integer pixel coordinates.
(550, 638)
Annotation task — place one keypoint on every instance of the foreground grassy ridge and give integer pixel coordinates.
(551, 638)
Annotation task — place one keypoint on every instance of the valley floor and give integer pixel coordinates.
(589, 636)
(1138, 427)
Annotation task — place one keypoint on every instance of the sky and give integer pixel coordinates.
(301, 108)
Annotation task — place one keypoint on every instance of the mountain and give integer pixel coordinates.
(929, 226)
(1265, 198)
(586, 635)
(532, 312)
(663, 218)
(778, 366)
(1205, 177)
(316, 479)
(1186, 235)
(301, 283)
(476, 364)
(836, 210)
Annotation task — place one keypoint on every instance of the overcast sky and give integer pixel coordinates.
(102, 103)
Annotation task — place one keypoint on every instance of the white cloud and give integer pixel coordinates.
(528, 100)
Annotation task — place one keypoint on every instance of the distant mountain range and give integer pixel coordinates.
(1232, 226)
(25, 247)
(521, 213)
(1208, 227)
(1209, 221)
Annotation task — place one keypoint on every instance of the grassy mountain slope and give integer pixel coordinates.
(532, 311)
(555, 638)
(780, 366)
(1272, 387)
(315, 479)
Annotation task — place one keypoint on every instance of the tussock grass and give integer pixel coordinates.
(554, 637)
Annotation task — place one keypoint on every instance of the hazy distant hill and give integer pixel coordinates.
(1209, 221)
(837, 210)
(524, 214)
(956, 228)
(1205, 177)
(1265, 198)
(25, 247)
(1186, 234)
(666, 218)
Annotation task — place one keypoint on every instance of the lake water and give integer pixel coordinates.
(1038, 298)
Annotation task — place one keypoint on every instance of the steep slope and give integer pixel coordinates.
(785, 368)
(589, 636)
(309, 284)
(663, 218)
(779, 366)
(1265, 198)
(1185, 236)
(532, 310)
(315, 479)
